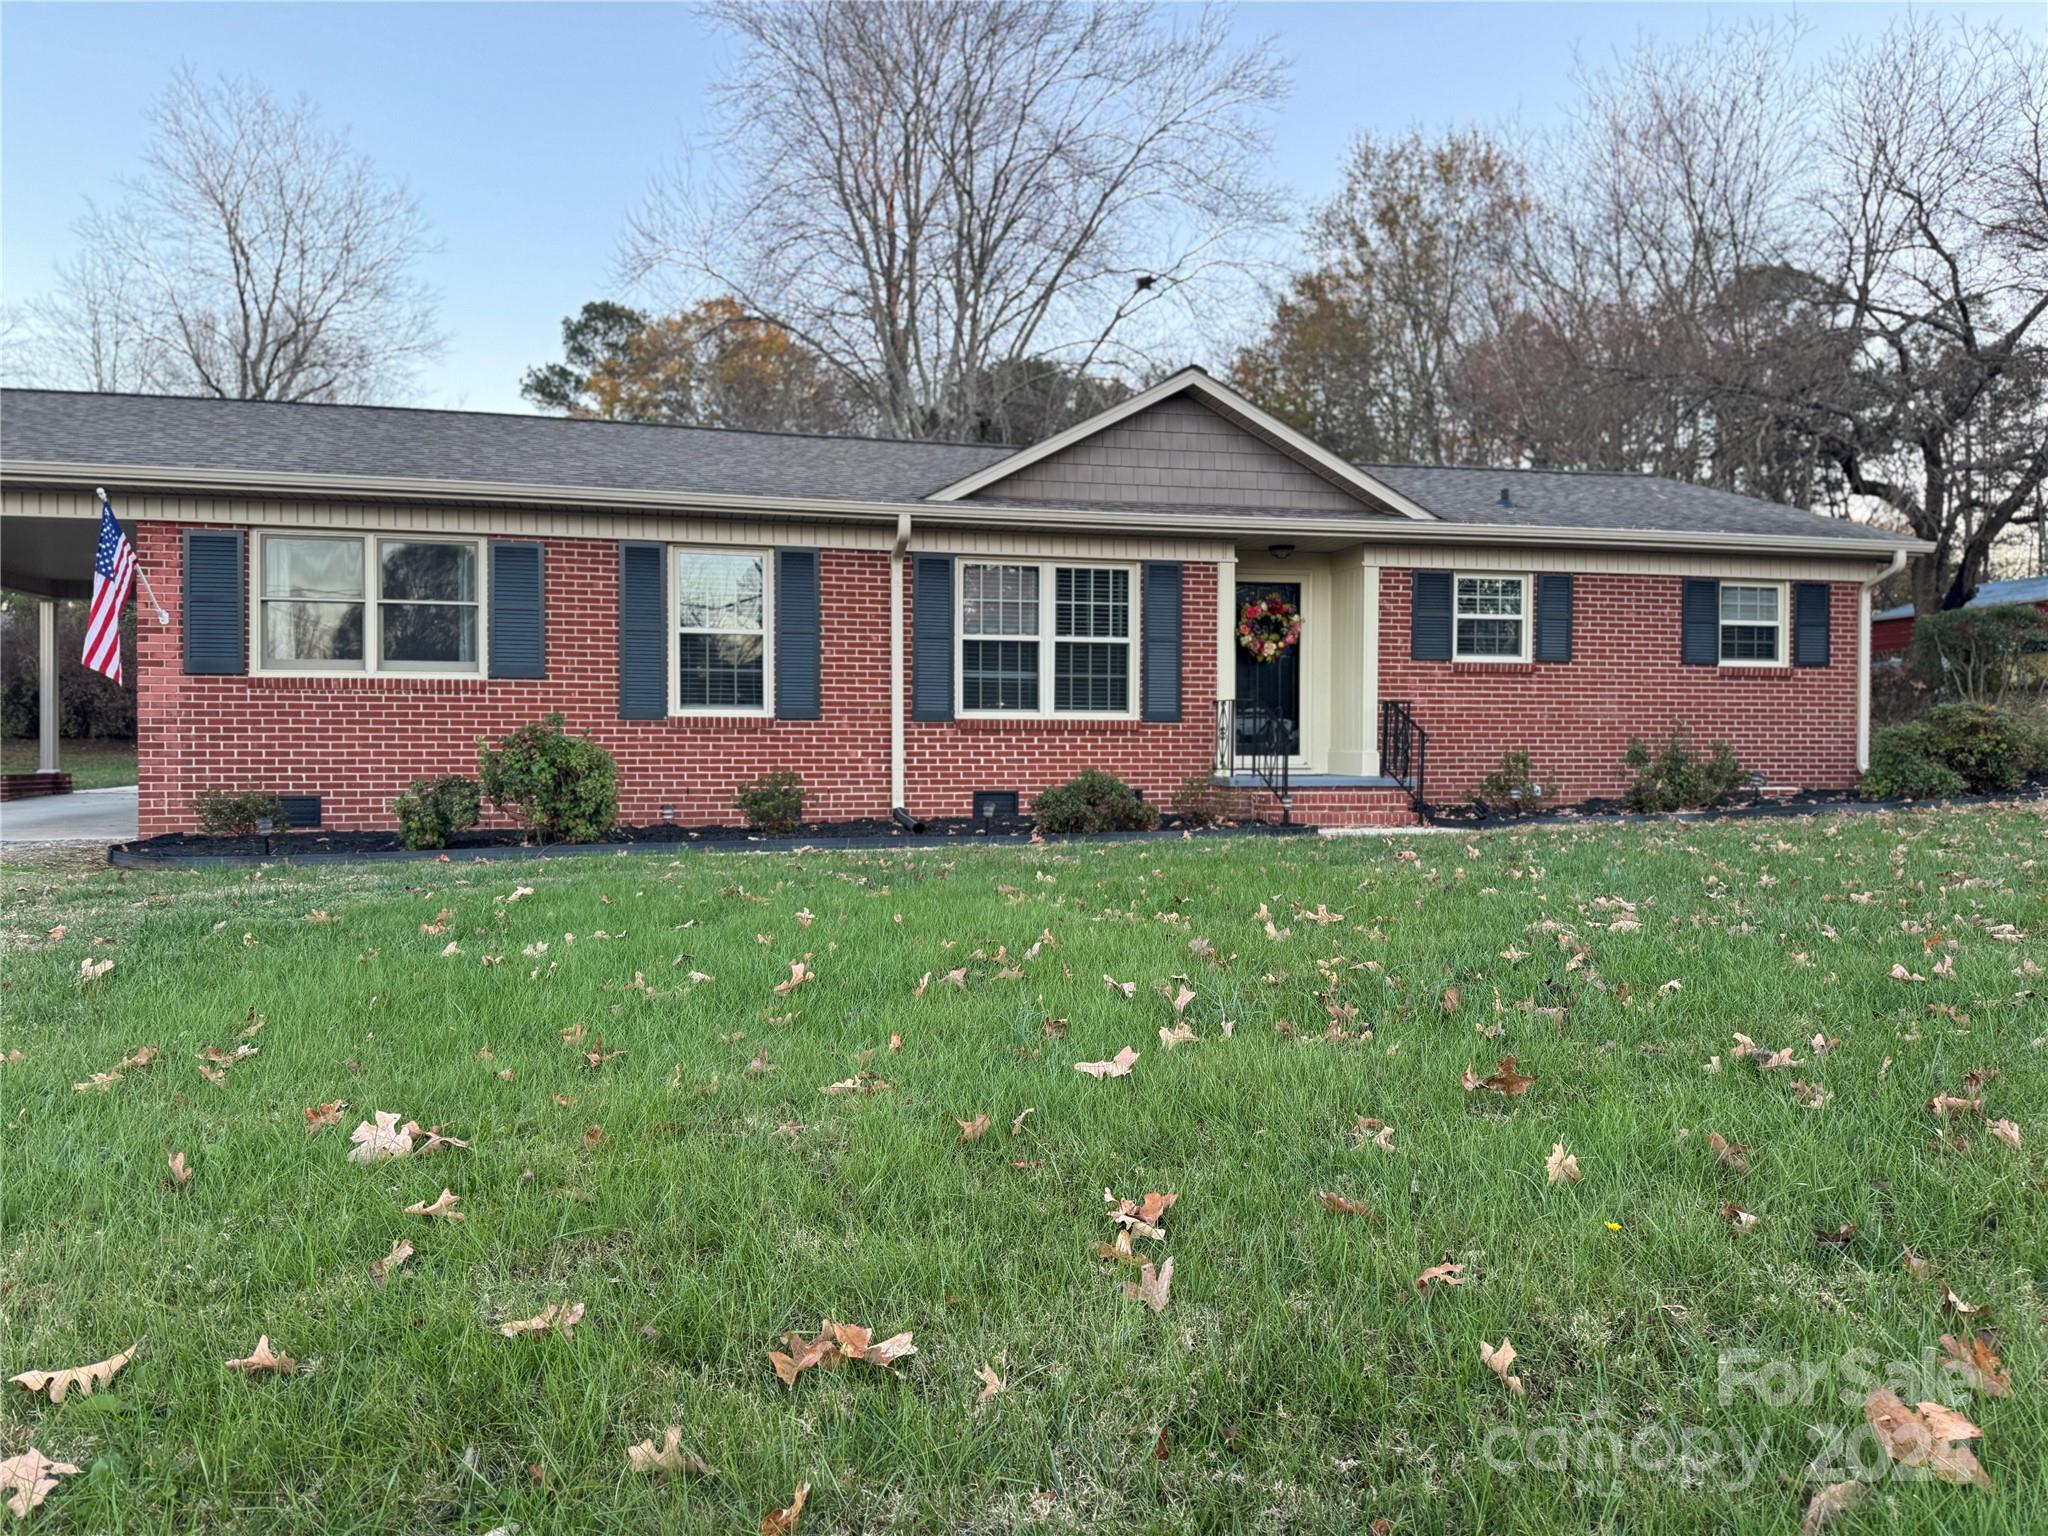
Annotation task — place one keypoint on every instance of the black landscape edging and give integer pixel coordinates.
(139, 855)
(1594, 813)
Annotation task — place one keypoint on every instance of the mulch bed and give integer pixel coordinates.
(869, 832)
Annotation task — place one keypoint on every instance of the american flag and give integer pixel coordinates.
(113, 577)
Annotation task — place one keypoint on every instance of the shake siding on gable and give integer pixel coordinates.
(1179, 453)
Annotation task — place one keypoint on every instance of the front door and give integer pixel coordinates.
(1269, 692)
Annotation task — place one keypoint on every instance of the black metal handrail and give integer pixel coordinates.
(1257, 742)
(1404, 750)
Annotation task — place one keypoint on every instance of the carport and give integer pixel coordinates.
(46, 551)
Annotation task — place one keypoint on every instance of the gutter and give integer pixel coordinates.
(898, 768)
(1898, 564)
(273, 485)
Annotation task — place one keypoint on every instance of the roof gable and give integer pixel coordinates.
(1187, 442)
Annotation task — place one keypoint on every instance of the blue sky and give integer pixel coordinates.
(528, 131)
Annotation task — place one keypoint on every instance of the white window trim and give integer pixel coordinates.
(373, 616)
(1046, 639)
(676, 707)
(1784, 656)
(1522, 652)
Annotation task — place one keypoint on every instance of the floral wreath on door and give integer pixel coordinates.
(1268, 627)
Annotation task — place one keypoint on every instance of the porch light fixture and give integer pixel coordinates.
(1280, 551)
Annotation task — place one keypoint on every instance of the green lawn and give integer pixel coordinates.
(698, 1208)
(91, 764)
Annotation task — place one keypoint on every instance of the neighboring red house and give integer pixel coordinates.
(1892, 631)
(356, 594)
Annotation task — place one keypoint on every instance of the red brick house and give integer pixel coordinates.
(1891, 632)
(355, 594)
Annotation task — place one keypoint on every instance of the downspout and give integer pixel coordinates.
(897, 771)
(1863, 657)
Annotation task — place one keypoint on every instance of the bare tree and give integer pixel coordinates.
(1827, 289)
(1414, 260)
(256, 257)
(932, 195)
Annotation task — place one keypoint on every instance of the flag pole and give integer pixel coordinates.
(162, 614)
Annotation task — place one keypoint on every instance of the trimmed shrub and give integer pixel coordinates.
(563, 787)
(773, 803)
(1903, 766)
(1202, 802)
(1977, 654)
(1674, 777)
(235, 812)
(1513, 785)
(1990, 749)
(1093, 801)
(433, 810)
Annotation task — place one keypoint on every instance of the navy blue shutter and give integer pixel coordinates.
(518, 633)
(1810, 624)
(643, 632)
(1161, 628)
(931, 638)
(1429, 617)
(798, 666)
(216, 622)
(1553, 616)
(1701, 642)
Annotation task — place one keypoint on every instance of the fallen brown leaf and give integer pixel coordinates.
(1978, 1364)
(58, 1384)
(1440, 1274)
(1561, 1167)
(263, 1358)
(380, 1269)
(442, 1206)
(1929, 1436)
(669, 1460)
(782, 1522)
(1119, 1066)
(1498, 1360)
(30, 1478)
(556, 1318)
(1831, 1501)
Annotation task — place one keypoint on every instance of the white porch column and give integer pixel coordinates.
(46, 691)
(1369, 674)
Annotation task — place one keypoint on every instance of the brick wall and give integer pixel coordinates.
(947, 762)
(358, 741)
(1797, 725)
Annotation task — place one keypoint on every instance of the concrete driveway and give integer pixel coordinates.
(87, 815)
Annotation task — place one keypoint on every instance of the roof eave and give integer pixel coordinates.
(288, 485)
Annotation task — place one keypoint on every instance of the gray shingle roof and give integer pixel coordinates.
(113, 431)
(1591, 499)
(2026, 589)
(168, 432)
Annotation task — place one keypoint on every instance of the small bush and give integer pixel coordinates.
(433, 810)
(1094, 801)
(235, 812)
(1513, 785)
(773, 803)
(1903, 766)
(1202, 802)
(563, 787)
(1977, 654)
(1674, 777)
(1991, 750)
